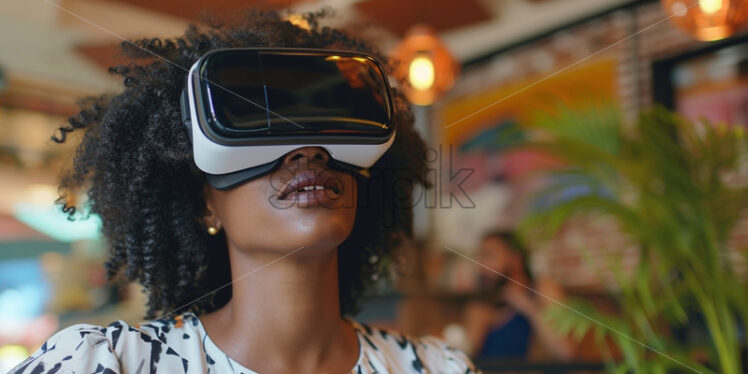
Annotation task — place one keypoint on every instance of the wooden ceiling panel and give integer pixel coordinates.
(192, 10)
(103, 54)
(399, 15)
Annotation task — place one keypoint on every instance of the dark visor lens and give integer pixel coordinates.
(270, 93)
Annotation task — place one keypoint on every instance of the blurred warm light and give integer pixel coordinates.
(298, 20)
(424, 62)
(711, 19)
(710, 6)
(421, 73)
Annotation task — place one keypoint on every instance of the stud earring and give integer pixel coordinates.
(212, 230)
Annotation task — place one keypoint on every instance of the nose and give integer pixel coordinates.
(317, 154)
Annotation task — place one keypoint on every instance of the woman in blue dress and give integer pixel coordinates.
(506, 321)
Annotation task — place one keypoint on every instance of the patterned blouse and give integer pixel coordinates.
(180, 345)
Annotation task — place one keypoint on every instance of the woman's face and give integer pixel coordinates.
(302, 204)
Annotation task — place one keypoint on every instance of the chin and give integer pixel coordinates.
(319, 232)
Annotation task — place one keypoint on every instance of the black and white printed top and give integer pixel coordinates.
(180, 345)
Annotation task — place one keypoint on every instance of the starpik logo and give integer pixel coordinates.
(305, 184)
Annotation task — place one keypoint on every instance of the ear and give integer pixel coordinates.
(211, 218)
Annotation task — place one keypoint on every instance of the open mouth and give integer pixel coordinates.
(312, 184)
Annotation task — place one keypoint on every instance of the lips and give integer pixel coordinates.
(310, 183)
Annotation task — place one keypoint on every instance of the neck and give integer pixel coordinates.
(288, 311)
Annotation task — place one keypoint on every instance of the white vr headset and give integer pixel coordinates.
(246, 108)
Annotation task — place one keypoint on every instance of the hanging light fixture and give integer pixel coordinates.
(425, 65)
(708, 19)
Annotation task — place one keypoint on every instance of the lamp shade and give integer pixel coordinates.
(708, 19)
(424, 63)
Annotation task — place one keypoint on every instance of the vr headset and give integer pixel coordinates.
(246, 108)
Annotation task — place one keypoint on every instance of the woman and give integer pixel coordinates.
(243, 281)
(508, 318)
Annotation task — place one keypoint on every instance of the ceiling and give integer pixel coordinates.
(57, 51)
(70, 43)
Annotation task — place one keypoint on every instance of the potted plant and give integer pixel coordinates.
(676, 189)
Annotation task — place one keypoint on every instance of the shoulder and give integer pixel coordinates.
(81, 347)
(393, 350)
(118, 347)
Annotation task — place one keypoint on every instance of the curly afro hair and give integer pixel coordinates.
(135, 162)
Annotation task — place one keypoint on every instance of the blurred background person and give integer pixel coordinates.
(506, 320)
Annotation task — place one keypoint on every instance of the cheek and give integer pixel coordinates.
(493, 261)
(499, 263)
(241, 211)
